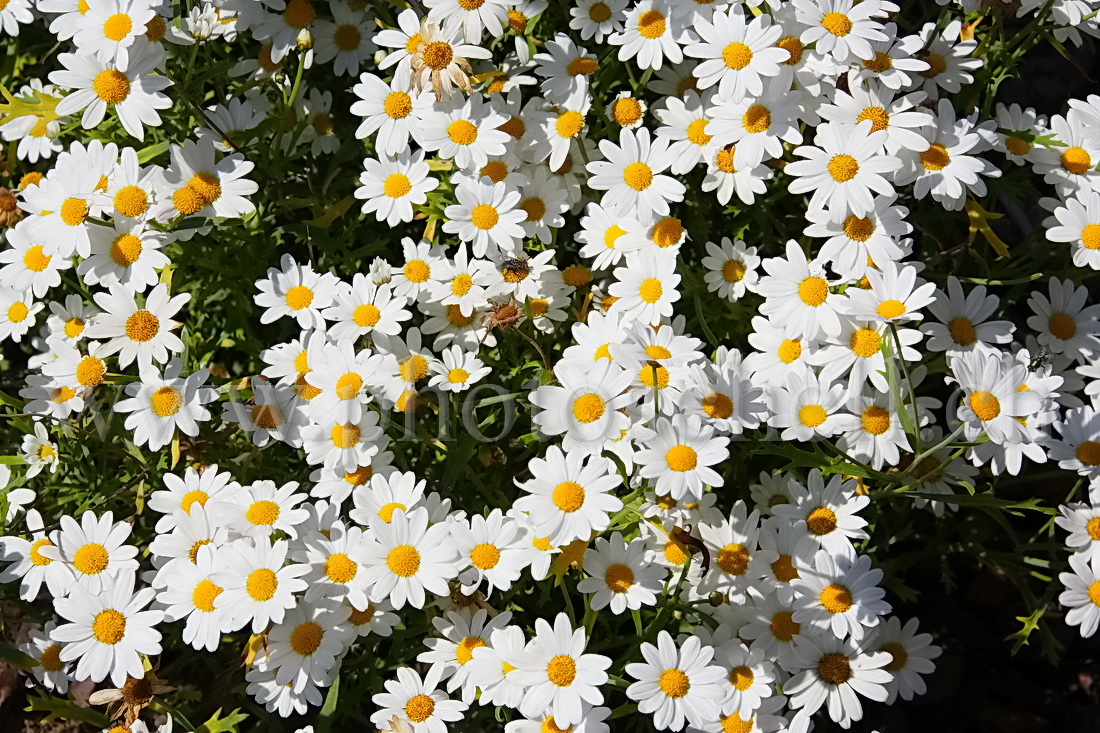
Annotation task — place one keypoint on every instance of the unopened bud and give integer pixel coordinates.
(305, 39)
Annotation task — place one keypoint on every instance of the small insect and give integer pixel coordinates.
(514, 269)
(1041, 359)
(694, 544)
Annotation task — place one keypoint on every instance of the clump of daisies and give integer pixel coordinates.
(448, 351)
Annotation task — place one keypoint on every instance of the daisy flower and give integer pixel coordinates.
(413, 278)
(843, 29)
(282, 27)
(39, 452)
(894, 295)
(558, 675)
(1079, 447)
(93, 550)
(646, 287)
(388, 110)
(60, 207)
(964, 323)
(836, 672)
(392, 186)
(345, 40)
(990, 402)
(406, 557)
(473, 18)
(296, 291)
(418, 702)
(257, 586)
(684, 124)
(1082, 593)
(488, 546)
(797, 295)
(133, 90)
(260, 509)
(738, 562)
(110, 28)
(626, 111)
(489, 665)
(748, 676)
(545, 204)
(569, 495)
(439, 61)
(651, 35)
(1021, 120)
(344, 446)
(466, 131)
(182, 494)
(725, 178)
(190, 595)
(26, 266)
(108, 632)
(676, 684)
(1077, 223)
(840, 595)
(461, 636)
(597, 18)
(308, 643)
(735, 54)
(899, 118)
(343, 377)
(587, 407)
(18, 311)
(843, 169)
(49, 670)
(826, 512)
(195, 184)
(911, 657)
(487, 215)
(680, 458)
(159, 404)
(857, 352)
(566, 68)
(731, 269)
(126, 253)
(28, 565)
(758, 126)
(621, 575)
(895, 61)
(632, 176)
(364, 308)
(600, 233)
(1064, 323)
(872, 432)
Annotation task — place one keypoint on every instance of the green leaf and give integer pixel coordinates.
(12, 460)
(328, 709)
(59, 708)
(148, 153)
(218, 724)
(16, 658)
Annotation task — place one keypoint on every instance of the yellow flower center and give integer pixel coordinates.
(345, 436)
(864, 342)
(403, 561)
(783, 626)
(131, 201)
(985, 405)
(202, 597)
(462, 132)
(263, 513)
(880, 120)
(813, 291)
(717, 406)
(419, 708)
(417, 271)
(651, 24)
(599, 12)
(1076, 160)
(734, 559)
(875, 419)
(962, 331)
(834, 668)
(626, 111)
(562, 670)
(638, 176)
(438, 55)
(91, 559)
(837, 23)
(821, 521)
(681, 458)
(109, 627)
(347, 37)
(651, 290)
(484, 217)
(674, 683)
(166, 401)
(582, 66)
(741, 677)
(1088, 453)
(757, 118)
(880, 63)
(568, 496)
(142, 326)
(90, 371)
(305, 639)
(783, 569)
(790, 351)
(366, 315)
(117, 27)
(737, 55)
(299, 13)
(811, 415)
(415, 367)
(889, 309)
(34, 260)
(843, 168)
(111, 86)
(836, 598)
(74, 211)
(51, 658)
(1090, 236)
(589, 408)
(619, 578)
(125, 250)
(464, 652)
(396, 185)
(398, 105)
(936, 158)
(299, 297)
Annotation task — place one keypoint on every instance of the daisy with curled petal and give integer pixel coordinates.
(676, 684)
(1065, 324)
(739, 563)
(684, 124)
(843, 29)
(260, 509)
(467, 131)
(1077, 222)
(725, 177)
(899, 117)
(489, 665)
(632, 176)
(597, 18)
(731, 269)
(748, 678)
(651, 34)
(406, 557)
(389, 110)
(112, 27)
(826, 513)
(949, 58)
(126, 253)
(135, 91)
(93, 551)
(460, 636)
(417, 702)
(836, 672)
(190, 595)
(558, 675)
(911, 656)
(843, 168)
(620, 574)
(857, 352)
(60, 207)
(678, 459)
(569, 495)
(735, 54)
(586, 407)
(392, 186)
(26, 266)
(335, 565)
(18, 311)
(990, 402)
(600, 232)
(488, 216)
(456, 370)
(296, 291)
(108, 631)
(840, 595)
(159, 404)
(872, 430)
(472, 17)
(646, 286)
(257, 585)
(963, 321)
(192, 530)
(797, 295)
